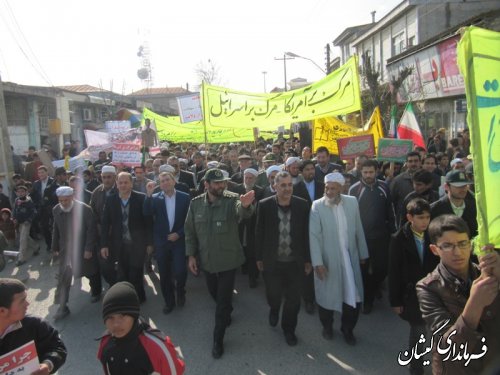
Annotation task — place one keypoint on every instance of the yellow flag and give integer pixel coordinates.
(326, 131)
(338, 93)
(479, 63)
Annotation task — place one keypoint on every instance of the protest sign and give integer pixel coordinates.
(190, 108)
(127, 154)
(390, 149)
(479, 63)
(20, 361)
(74, 163)
(351, 147)
(113, 127)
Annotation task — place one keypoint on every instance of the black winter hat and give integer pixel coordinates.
(121, 298)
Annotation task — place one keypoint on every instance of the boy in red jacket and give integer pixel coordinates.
(130, 345)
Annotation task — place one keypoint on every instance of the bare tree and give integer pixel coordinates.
(208, 72)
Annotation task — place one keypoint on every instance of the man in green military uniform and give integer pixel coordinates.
(211, 232)
(268, 160)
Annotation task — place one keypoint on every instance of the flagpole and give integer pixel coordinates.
(204, 117)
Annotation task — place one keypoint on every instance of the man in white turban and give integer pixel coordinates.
(338, 247)
(74, 241)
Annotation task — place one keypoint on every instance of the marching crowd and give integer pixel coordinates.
(322, 231)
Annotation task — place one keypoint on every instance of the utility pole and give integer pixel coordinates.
(6, 164)
(284, 58)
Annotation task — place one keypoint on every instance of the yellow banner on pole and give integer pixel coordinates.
(336, 94)
(171, 129)
(326, 131)
(479, 63)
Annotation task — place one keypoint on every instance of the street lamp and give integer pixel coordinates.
(284, 58)
(294, 55)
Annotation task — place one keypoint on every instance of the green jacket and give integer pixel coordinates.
(262, 180)
(211, 232)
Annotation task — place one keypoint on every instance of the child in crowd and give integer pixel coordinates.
(23, 214)
(460, 302)
(8, 228)
(130, 345)
(409, 261)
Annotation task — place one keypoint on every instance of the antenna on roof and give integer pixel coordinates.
(373, 15)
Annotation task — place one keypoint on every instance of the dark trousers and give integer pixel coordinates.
(348, 320)
(108, 270)
(64, 278)
(375, 270)
(220, 286)
(173, 272)
(46, 228)
(417, 329)
(308, 288)
(129, 272)
(284, 279)
(251, 263)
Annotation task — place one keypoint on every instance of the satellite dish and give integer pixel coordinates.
(143, 73)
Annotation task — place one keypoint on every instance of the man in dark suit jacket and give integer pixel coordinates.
(457, 201)
(282, 252)
(127, 233)
(309, 189)
(169, 209)
(247, 226)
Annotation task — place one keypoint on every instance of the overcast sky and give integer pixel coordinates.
(60, 42)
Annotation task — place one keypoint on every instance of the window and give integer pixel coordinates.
(398, 43)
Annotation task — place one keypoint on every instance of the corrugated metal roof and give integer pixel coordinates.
(160, 91)
(81, 88)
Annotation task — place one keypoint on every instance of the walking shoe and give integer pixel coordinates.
(181, 300)
(217, 349)
(290, 338)
(168, 309)
(19, 263)
(349, 337)
(327, 333)
(367, 308)
(309, 307)
(61, 313)
(273, 318)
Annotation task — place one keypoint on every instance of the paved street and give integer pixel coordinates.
(251, 346)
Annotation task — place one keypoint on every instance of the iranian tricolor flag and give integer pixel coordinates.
(408, 127)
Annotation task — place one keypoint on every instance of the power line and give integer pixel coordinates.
(38, 70)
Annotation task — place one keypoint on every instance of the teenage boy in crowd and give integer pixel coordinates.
(130, 346)
(409, 261)
(18, 329)
(460, 300)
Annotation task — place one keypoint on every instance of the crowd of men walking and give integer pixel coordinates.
(328, 233)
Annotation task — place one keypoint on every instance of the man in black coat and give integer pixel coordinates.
(127, 234)
(458, 200)
(309, 189)
(246, 227)
(282, 252)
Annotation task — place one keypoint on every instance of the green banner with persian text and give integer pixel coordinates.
(336, 94)
(479, 62)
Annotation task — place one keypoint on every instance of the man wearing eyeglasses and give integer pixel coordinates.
(460, 301)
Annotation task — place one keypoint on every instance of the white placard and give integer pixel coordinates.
(190, 108)
(113, 127)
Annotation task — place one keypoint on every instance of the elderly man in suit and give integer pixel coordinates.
(338, 248)
(282, 252)
(127, 233)
(169, 209)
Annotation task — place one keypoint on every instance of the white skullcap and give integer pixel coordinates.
(335, 177)
(108, 169)
(225, 173)
(64, 191)
(251, 171)
(212, 164)
(455, 161)
(291, 160)
(273, 168)
(181, 160)
(166, 168)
